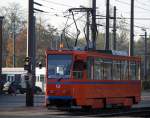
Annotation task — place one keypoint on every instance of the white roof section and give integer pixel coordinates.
(13, 71)
(119, 53)
(22, 71)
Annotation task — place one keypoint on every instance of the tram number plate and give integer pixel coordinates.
(58, 85)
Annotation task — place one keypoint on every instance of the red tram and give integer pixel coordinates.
(92, 79)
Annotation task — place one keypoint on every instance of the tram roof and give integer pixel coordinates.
(123, 55)
(112, 52)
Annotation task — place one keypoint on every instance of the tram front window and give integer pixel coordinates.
(59, 66)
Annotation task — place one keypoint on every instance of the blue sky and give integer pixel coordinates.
(142, 9)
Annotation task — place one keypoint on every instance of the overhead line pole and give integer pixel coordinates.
(107, 26)
(131, 47)
(30, 60)
(87, 29)
(30, 40)
(114, 30)
(1, 42)
(145, 53)
(145, 56)
(14, 40)
(94, 27)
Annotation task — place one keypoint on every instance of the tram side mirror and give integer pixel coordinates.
(40, 65)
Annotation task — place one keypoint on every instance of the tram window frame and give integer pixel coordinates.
(90, 68)
(121, 70)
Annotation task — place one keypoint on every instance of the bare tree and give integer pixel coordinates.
(13, 24)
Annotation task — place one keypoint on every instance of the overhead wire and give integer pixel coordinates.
(62, 4)
(139, 27)
(126, 18)
(51, 8)
(57, 3)
(129, 4)
(58, 15)
(141, 3)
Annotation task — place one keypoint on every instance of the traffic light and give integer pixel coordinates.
(27, 64)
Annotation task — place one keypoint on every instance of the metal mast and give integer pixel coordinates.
(30, 56)
(114, 29)
(1, 42)
(131, 50)
(94, 27)
(107, 26)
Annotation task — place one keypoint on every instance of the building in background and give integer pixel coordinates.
(40, 78)
(18, 75)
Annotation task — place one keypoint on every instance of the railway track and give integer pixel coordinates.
(134, 112)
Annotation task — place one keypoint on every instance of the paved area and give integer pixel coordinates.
(145, 100)
(14, 107)
(9, 101)
(35, 112)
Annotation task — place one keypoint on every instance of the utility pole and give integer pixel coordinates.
(14, 41)
(1, 42)
(114, 29)
(87, 29)
(94, 27)
(131, 50)
(34, 52)
(107, 26)
(30, 61)
(30, 40)
(145, 56)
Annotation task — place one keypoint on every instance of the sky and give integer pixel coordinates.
(55, 9)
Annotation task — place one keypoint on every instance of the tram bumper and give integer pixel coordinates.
(59, 100)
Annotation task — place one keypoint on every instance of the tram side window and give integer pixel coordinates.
(132, 70)
(120, 70)
(116, 70)
(98, 68)
(107, 70)
(137, 71)
(124, 70)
